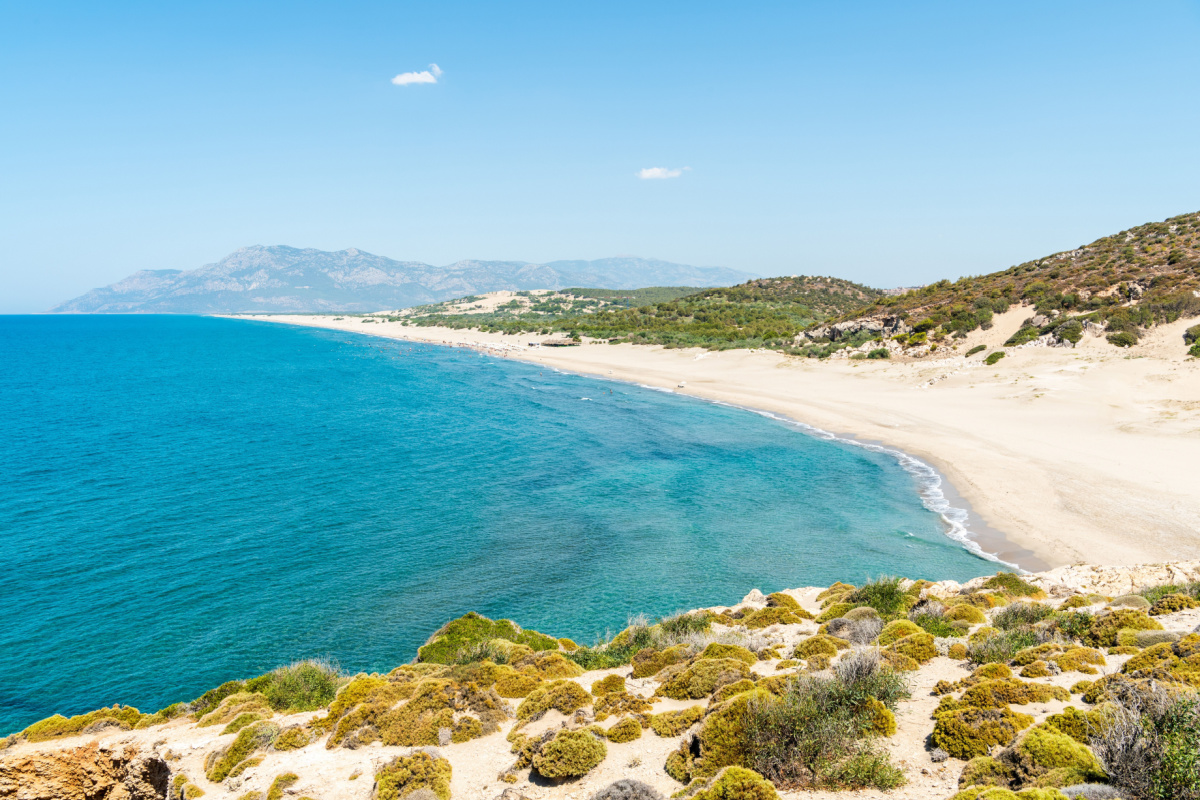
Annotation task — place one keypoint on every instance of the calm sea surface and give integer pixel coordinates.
(187, 500)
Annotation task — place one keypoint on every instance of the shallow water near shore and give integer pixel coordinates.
(188, 500)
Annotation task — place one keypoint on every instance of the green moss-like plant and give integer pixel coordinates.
(986, 771)
(678, 766)
(459, 637)
(819, 645)
(548, 666)
(716, 650)
(1002, 692)
(884, 595)
(280, 783)
(404, 775)
(882, 722)
(293, 738)
(897, 661)
(1038, 669)
(917, 646)
(235, 705)
(722, 737)
(895, 630)
(771, 615)
(1080, 659)
(1042, 750)
(673, 723)
(1104, 629)
(1159, 655)
(790, 603)
(258, 736)
(966, 613)
(957, 651)
(567, 645)
(966, 733)
(1079, 725)
(702, 678)
(515, 684)
(838, 589)
(1009, 582)
(607, 685)
(730, 689)
(241, 721)
(650, 661)
(1172, 603)
(737, 783)
(565, 696)
(834, 611)
(569, 754)
(626, 730)
(57, 726)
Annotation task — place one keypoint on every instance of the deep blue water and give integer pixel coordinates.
(187, 500)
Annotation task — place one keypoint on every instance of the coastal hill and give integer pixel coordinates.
(764, 310)
(1118, 287)
(282, 279)
(1125, 283)
(1079, 682)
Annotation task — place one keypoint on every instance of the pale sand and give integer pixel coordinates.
(1076, 455)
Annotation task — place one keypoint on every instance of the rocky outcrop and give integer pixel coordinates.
(86, 773)
(879, 326)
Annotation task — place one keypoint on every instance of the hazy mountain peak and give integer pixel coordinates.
(277, 278)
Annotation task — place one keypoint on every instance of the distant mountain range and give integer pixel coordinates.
(279, 279)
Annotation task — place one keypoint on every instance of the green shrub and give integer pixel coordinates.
(1103, 632)
(280, 783)
(935, 624)
(979, 348)
(918, 646)
(1171, 603)
(737, 783)
(257, 737)
(1070, 331)
(649, 660)
(1150, 744)
(879, 352)
(993, 358)
(685, 624)
(1194, 350)
(897, 630)
(967, 733)
(293, 738)
(716, 650)
(626, 730)
(470, 631)
(302, 686)
(673, 723)
(1000, 647)
(569, 754)
(404, 775)
(1016, 615)
(54, 727)
(565, 696)
(1123, 338)
(883, 594)
(1009, 582)
(606, 685)
(965, 613)
(1043, 751)
(702, 678)
(1192, 335)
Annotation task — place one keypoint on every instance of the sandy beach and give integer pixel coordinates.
(1084, 455)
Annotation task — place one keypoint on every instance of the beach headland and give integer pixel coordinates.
(1080, 455)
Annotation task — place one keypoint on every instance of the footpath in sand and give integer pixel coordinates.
(1075, 455)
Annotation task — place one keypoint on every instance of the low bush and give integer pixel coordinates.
(626, 730)
(673, 723)
(220, 764)
(569, 754)
(281, 783)
(458, 636)
(302, 686)
(404, 775)
(1011, 583)
(979, 348)
(606, 685)
(993, 358)
(1000, 647)
(1150, 744)
(565, 696)
(627, 789)
(817, 735)
(1017, 615)
(701, 678)
(737, 783)
(1123, 338)
(965, 613)
(935, 624)
(879, 352)
(1104, 629)
(884, 595)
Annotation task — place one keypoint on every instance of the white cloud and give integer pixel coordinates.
(424, 76)
(659, 173)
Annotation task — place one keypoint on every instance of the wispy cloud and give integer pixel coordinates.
(424, 76)
(659, 173)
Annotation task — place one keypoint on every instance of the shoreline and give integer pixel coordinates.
(1070, 456)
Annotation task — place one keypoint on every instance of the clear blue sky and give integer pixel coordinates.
(891, 143)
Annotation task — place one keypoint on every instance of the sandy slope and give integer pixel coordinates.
(1083, 455)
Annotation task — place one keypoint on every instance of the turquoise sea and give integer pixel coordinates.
(186, 500)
